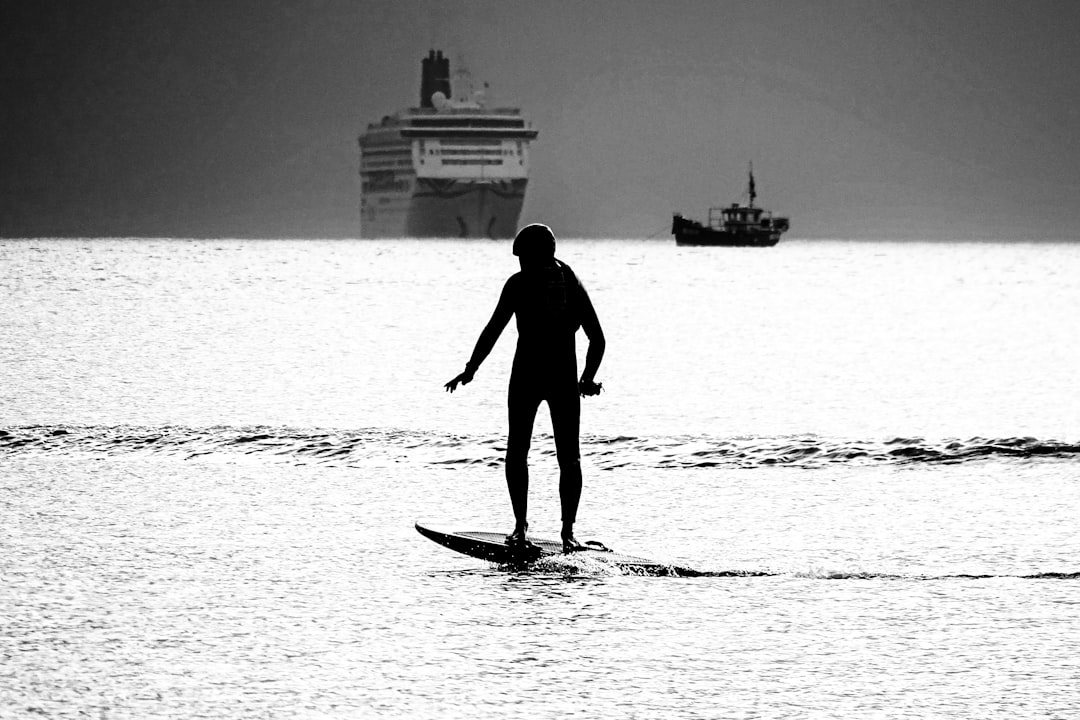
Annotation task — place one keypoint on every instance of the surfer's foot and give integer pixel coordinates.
(518, 536)
(518, 540)
(571, 545)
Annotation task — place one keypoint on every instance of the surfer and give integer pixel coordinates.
(550, 304)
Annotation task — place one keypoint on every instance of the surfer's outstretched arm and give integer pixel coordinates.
(499, 319)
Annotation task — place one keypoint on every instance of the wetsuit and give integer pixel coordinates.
(550, 305)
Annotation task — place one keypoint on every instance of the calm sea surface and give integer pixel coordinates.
(212, 454)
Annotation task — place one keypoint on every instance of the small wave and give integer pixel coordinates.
(380, 446)
(672, 571)
(302, 446)
(863, 575)
(558, 566)
(576, 565)
(813, 451)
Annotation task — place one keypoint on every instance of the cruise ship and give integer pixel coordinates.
(452, 167)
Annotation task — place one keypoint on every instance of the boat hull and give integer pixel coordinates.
(448, 208)
(690, 232)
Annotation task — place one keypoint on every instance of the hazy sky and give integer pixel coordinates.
(863, 118)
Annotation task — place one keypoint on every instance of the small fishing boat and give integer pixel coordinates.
(732, 226)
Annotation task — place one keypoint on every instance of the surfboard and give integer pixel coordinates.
(491, 546)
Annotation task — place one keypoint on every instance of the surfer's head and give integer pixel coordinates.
(535, 243)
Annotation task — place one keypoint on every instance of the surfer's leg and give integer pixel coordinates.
(522, 404)
(565, 423)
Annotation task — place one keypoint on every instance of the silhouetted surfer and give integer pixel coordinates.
(550, 304)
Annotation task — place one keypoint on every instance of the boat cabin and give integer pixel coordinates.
(739, 218)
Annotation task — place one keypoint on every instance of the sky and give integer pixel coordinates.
(862, 118)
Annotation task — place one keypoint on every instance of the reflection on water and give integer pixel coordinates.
(212, 456)
(161, 586)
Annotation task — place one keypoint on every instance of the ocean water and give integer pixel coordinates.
(212, 454)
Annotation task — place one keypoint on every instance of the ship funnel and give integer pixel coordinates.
(442, 75)
(427, 79)
(434, 77)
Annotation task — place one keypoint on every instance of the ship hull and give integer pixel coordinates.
(448, 208)
(689, 232)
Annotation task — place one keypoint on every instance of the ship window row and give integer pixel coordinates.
(399, 150)
(387, 164)
(476, 152)
(472, 161)
(452, 123)
(387, 160)
(471, 142)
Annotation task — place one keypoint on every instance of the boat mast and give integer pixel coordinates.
(753, 194)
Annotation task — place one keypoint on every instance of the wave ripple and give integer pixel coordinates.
(380, 446)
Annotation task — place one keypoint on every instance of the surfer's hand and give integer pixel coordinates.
(464, 378)
(589, 387)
